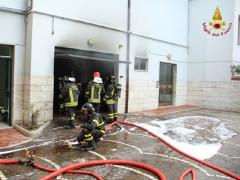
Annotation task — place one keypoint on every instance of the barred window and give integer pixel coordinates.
(141, 64)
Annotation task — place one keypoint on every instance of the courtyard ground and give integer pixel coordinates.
(211, 136)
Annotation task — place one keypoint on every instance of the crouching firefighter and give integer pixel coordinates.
(92, 130)
(70, 94)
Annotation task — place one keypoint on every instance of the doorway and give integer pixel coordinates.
(167, 79)
(6, 83)
(83, 63)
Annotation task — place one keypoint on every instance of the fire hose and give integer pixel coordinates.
(176, 149)
(30, 162)
(103, 162)
(68, 169)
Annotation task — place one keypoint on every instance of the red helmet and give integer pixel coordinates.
(96, 74)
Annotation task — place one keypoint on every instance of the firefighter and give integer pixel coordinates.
(70, 94)
(94, 91)
(111, 97)
(92, 130)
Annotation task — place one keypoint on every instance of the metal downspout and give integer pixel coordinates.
(128, 54)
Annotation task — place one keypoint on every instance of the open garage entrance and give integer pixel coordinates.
(83, 63)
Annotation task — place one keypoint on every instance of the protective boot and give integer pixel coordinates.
(97, 140)
(71, 125)
(91, 146)
(109, 121)
(115, 119)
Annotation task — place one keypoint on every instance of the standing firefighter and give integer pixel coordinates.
(70, 94)
(94, 91)
(92, 130)
(111, 98)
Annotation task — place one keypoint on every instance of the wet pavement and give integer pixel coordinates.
(124, 142)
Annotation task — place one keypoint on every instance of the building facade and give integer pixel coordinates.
(163, 53)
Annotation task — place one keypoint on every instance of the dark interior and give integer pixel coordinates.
(83, 70)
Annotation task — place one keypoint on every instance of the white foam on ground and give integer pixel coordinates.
(197, 136)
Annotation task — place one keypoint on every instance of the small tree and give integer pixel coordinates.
(235, 70)
(34, 115)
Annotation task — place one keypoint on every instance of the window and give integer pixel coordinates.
(141, 64)
(239, 30)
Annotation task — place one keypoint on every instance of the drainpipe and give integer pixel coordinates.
(128, 54)
(29, 5)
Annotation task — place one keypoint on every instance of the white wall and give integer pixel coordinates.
(160, 19)
(75, 34)
(236, 47)
(210, 57)
(14, 4)
(9, 36)
(167, 35)
(9, 23)
(103, 12)
(67, 29)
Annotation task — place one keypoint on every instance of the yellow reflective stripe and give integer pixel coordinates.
(101, 123)
(98, 124)
(87, 135)
(112, 93)
(102, 131)
(89, 139)
(72, 118)
(96, 121)
(75, 88)
(84, 109)
(71, 104)
(71, 95)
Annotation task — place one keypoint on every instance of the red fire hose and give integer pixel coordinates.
(187, 172)
(9, 161)
(16, 161)
(174, 148)
(103, 162)
(70, 171)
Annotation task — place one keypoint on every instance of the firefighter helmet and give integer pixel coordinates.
(88, 107)
(65, 79)
(72, 79)
(111, 78)
(96, 74)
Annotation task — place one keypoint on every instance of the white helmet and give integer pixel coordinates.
(72, 79)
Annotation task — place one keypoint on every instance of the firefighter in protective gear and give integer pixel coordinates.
(94, 91)
(70, 94)
(92, 130)
(111, 98)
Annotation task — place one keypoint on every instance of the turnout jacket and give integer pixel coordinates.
(94, 121)
(111, 94)
(94, 91)
(70, 94)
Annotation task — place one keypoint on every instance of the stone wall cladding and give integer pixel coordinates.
(17, 109)
(143, 95)
(180, 97)
(214, 95)
(39, 91)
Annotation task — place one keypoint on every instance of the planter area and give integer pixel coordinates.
(32, 132)
(235, 78)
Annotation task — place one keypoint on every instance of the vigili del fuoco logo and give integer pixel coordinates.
(217, 27)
